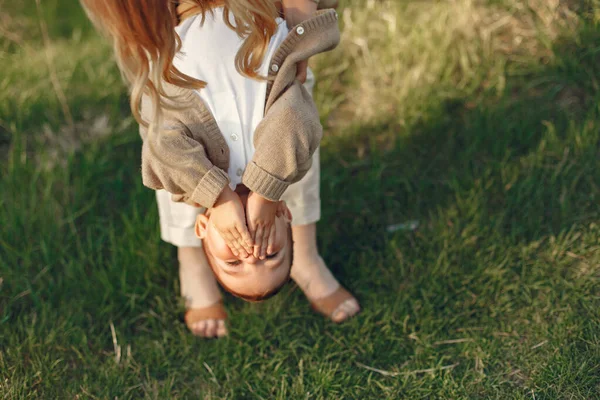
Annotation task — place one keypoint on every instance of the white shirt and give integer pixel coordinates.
(237, 103)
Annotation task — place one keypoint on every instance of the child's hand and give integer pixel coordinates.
(260, 214)
(228, 217)
(284, 211)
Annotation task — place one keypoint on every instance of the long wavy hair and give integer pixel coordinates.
(145, 44)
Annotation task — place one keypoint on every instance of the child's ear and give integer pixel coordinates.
(201, 226)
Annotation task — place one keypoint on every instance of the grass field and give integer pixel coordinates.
(478, 119)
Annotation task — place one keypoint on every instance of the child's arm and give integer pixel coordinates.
(290, 131)
(284, 142)
(179, 164)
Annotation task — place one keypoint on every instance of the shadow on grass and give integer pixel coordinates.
(489, 179)
(530, 154)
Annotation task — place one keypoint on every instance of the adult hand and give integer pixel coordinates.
(228, 217)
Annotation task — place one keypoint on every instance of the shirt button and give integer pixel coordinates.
(234, 137)
(300, 30)
(239, 172)
(274, 67)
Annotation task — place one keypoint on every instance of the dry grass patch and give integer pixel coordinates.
(440, 50)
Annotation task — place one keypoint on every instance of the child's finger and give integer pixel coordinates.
(284, 211)
(258, 240)
(271, 241)
(238, 242)
(229, 240)
(252, 235)
(235, 244)
(245, 235)
(265, 242)
(281, 209)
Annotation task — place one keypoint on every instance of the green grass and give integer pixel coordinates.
(488, 137)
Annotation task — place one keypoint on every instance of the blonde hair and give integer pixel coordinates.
(145, 44)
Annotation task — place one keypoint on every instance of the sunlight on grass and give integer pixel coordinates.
(400, 57)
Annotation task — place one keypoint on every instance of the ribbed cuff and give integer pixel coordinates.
(210, 187)
(260, 181)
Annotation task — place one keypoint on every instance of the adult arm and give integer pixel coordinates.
(295, 12)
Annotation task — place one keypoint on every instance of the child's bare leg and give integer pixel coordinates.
(199, 289)
(312, 275)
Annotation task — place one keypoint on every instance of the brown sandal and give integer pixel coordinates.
(329, 304)
(215, 312)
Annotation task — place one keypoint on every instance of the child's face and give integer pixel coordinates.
(249, 278)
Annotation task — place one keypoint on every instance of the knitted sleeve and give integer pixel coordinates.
(179, 164)
(284, 142)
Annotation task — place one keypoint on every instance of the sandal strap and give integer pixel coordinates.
(328, 304)
(215, 311)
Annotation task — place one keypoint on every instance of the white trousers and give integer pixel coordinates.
(177, 220)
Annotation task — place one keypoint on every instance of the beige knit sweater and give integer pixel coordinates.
(284, 140)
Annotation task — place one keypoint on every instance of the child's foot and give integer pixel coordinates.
(205, 315)
(323, 291)
(208, 321)
(316, 281)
